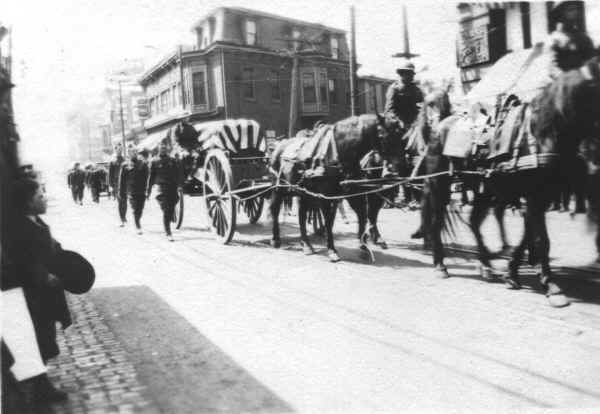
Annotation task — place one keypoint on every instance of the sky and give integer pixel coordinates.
(62, 49)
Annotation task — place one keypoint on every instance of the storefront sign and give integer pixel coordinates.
(472, 45)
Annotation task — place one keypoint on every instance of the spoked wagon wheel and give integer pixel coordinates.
(178, 214)
(253, 208)
(217, 186)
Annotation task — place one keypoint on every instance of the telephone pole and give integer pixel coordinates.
(353, 80)
(406, 53)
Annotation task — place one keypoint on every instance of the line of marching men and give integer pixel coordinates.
(92, 176)
(132, 180)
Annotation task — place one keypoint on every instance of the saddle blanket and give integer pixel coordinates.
(320, 149)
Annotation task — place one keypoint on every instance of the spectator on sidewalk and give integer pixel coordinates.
(133, 180)
(166, 174)
(32, 249)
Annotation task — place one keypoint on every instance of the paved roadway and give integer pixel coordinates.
(246, 328)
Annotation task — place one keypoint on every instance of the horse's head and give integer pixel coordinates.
(391, 145)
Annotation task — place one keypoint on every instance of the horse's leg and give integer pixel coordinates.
(512, 279)
(302, 213)
(481, 204)
(438, 201)
(375, 203)
(329, 211)
(276, 200)
(358, 204)
(499, 211)
(554, 293)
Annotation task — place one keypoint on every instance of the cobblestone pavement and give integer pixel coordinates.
(94, 368)
(295, 333)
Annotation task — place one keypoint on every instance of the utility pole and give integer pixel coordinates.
(293, 95)
(353, 80)
(406, 53)
(122, 122)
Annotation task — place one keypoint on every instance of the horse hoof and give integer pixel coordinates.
(368, 254)
(333, 256)
(558, 300)
(511, 282)
(276, 243)
(486, 273)
(383, 245)
(441, 273)
(307, 250)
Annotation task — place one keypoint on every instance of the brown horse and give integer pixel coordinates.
(354, 137)
(559, 119)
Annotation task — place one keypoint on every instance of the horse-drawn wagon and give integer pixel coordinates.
(225, 162)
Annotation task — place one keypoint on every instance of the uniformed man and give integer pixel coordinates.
(569, 45)
(113, 171)
(77, 183)
(403, 96)
(166, 174)
(95, 178)
(133, 179)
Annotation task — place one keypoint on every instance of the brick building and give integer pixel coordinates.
(490, 30)
(241, 67)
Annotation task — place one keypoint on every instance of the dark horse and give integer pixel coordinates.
(354, 137)
(562, 116)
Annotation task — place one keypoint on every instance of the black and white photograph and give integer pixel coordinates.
(299, 206)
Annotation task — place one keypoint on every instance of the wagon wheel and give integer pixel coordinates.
(216, 186)
(178, 213)
(253, 208)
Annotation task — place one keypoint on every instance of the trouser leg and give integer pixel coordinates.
(137, 205)
(167, 203)
(122, 207)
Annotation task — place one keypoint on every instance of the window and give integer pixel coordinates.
(199, 37)
(323, 87)
(211, 29)
(250, 32)
(175, 96)
(152, 110)
(332, 91)
(296, 37)
(199, 88)
(164, 101)
(248, 83)
(275, 86)
(335, 50)
(308, 88)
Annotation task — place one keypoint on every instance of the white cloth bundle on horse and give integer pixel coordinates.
(317, 151)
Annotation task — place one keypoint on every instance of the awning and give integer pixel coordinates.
(522, 72)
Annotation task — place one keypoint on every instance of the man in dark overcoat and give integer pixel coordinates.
(133, 180)
(166, 174)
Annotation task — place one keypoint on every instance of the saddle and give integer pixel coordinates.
(313, 156)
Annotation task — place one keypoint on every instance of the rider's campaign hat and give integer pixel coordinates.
(75, 272)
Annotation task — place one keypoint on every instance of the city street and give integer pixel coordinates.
(193, 326)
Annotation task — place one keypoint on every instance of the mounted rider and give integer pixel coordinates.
(404, 96)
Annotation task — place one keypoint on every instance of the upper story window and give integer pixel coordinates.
(335, 48)
(296, 37)
(275, 86)
(248, 83)
(250, 32)
(211, 29)
(332, 91)
(308, 88)
(199, 87)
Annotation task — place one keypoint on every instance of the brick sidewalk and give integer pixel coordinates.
(93, 367)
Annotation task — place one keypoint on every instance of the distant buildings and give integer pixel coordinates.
(242, 66)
